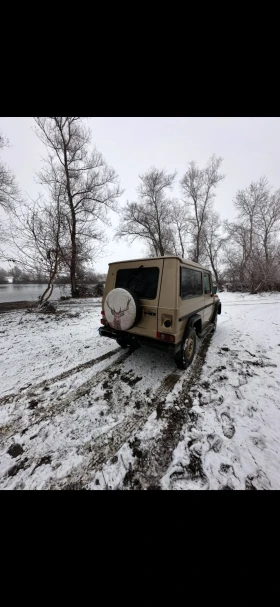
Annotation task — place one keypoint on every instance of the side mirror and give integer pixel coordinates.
(214, 290)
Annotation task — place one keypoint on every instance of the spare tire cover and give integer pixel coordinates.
(122, 308)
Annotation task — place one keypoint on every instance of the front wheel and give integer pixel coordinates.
(187, 351)
(214, 324)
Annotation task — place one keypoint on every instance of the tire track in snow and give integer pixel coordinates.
(4, 400)
(107, 444)
(148, 470)
(37, 416)
(128, 428)
(99, 449)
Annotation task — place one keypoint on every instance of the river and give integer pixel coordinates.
(27, 292)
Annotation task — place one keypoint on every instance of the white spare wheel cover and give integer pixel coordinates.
(120, 309)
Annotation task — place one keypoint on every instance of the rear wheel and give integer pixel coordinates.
(187, 351)
(122, 343)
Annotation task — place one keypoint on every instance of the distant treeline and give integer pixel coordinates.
(19, 276)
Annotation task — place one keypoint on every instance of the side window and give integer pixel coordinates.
(207, 285)
(191, 283)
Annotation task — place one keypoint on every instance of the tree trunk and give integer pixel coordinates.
(48, 291)
(214, 269)
(266, 248)
(73, 264)
(197, 248)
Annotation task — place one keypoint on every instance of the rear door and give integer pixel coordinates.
(144, 279)
(208, 298)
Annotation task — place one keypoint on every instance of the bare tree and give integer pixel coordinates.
(36, 231)
(89, 185)
(237, 251)
(214, 242)
(181, 227)
(248, 203)
(198, 187)
(9, 192)
(267, 221)
(149, 219)
(253, 254)
(9, 197)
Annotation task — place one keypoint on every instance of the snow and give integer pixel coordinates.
(237, 433)
(38, 346)
(86, 414)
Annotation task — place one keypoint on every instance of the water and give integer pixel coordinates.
(28, 292)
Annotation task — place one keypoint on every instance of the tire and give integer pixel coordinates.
(134, 347)
(187, 351)
(122, 343)
(122, 309)
(215, 320)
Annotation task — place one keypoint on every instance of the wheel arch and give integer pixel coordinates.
(194, 322)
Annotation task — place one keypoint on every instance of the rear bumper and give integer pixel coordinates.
(133, 339)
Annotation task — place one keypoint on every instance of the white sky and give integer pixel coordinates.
(250, 148)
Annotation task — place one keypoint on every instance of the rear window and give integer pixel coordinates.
(143, 281)
(191, 283)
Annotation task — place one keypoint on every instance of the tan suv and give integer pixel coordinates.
(161, 301)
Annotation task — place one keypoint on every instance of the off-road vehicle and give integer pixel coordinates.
(164, 302)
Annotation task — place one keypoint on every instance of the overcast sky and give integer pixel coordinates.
(250, 148)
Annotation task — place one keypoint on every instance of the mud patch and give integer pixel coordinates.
(131, 381)
(226, 469)
(134, 445)
(129, 481)
(107, 396)
(15, 450)
(20, 466)
(74, 487)
(44, 461)
(33, 404)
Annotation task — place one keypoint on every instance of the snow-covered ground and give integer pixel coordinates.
(76, 411)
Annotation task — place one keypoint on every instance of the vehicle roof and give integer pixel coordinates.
(186, 261)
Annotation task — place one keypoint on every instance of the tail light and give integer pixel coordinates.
(103, 320)
(166, 337)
